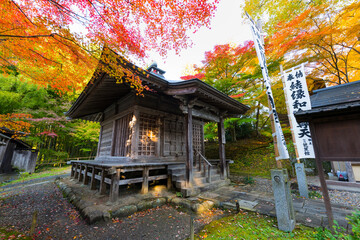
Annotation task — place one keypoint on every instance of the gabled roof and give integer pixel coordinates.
(332, 101)
(102, 91)
(341, 94)
(7, 134)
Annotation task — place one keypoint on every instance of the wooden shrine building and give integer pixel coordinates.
(155, 136)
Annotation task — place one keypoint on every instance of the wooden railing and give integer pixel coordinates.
(203, 165)
(87, 172)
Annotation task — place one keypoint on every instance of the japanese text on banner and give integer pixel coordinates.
(297, 95)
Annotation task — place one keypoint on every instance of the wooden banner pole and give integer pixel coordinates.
(288, 110)
(278, 162)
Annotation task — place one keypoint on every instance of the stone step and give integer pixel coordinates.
(182, 169)
(195, 190)
(198, 181)
(179, 170)
(181, 176)
(176, 167)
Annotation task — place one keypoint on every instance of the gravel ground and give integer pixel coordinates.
(58, 219)
(265, 186)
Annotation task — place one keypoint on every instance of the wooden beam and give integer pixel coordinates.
(181, 91)
(141, 179)
(203, 114)
(207, 106)
(189, 147)
(221, 137)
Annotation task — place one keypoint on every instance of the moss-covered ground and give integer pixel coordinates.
(41, 174)
(248, 225)
(252, 157)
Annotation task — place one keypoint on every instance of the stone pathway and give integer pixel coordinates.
(58, 219)
(308, 212)
(337, 196)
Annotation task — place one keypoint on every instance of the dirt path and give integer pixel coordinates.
(57, 219)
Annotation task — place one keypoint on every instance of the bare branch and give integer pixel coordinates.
(45, 57)
(18, 7)
(30, 36)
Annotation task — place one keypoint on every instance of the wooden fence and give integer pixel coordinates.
(61, 162)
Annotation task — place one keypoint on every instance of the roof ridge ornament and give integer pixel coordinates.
(155, 70)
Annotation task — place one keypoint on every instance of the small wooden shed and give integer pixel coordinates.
(163, 129)
(15, 153)
(335, 123)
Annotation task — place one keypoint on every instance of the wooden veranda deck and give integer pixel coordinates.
(109, 173)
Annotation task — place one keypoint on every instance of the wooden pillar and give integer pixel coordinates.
(135, 126)
(80, 173)
(114, 188)
(76, 171)
(169, 179)
(145, 183)
(189, 147)
(99, 143)
(319, 166)
(113, 136)
(102, 182)
(325, 192)
(72, 173)
(221, 136)
(86, 177)
(93, 179)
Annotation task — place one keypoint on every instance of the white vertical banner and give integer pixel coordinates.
(297, 96)
(260, 51)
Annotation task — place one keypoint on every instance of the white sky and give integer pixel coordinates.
(226, 27)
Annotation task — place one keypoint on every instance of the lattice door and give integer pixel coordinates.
(148, 135)
(174, 138)
(198, 137)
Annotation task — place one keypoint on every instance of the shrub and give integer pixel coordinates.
(339, 232)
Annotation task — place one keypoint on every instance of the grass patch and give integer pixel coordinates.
(254, 157)
(249, 225)
(10, 233)
(46, 173)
